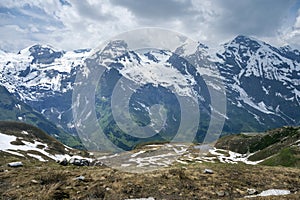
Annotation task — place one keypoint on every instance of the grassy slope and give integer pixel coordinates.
(277, 146)
(34, 134)
(9, 111)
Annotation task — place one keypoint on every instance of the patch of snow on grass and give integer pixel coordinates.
(40, 158)
(14, 153)
(233, 157)
(136, 154)
(270, 192)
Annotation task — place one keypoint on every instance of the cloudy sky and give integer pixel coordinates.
(74, 24)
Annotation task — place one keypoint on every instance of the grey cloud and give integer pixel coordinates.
(255, 17)
(261, 18)
(211, 22)
(157, 9)
(93, 12)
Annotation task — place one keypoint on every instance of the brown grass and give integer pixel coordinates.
(52, 181)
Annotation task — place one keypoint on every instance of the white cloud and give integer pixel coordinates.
(85, 23)
(291, 35)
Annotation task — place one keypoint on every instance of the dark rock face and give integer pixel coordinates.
(44, 54)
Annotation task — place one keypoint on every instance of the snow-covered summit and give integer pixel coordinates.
(261, 81)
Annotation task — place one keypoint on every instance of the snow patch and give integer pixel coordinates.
(25, 132)
(40, 158)
(270, 192)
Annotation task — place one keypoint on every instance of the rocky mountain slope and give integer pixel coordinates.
(261, 82)
(43, 77)
(262, 79)
(13, 109)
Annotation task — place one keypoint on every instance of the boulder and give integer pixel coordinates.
(221, 193)
(63, 162)
(79, 162)
(97, 163)
(208, 171)
(80, 178)
(15, 164)
(252, 191)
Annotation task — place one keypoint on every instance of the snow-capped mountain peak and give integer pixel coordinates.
(261, 81)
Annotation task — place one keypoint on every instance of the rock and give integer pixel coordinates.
(294, 190)
(80, 178)
(15, 164)
(252, 191)
(63, 162)
(220, 193)
(208, 171)
(34, 181)
(79, 162)
(98, 163)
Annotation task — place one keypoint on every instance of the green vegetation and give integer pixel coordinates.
(287, 157)
(11, 109)
(273, 137)
(277, 146)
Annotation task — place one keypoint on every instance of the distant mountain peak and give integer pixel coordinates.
(38, 47)
(44, 54)
(117, 44)
(245, 42)
(82, 50)
(114, 49)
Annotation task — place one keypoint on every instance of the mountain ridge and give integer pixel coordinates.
(262, 82)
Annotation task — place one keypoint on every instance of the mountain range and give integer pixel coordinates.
(262, 85)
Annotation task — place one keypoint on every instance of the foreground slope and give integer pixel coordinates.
(20, 141)
(182, 179)
(44, 181)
